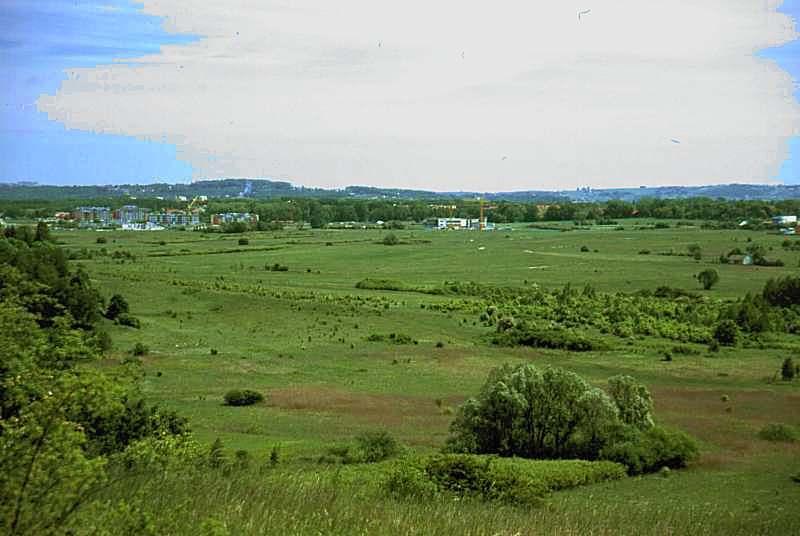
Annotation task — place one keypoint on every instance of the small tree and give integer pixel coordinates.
(788, 370)
(390, 240)
(695, 251)
(708, 278)
(633, 400)
(726, 333)
(117, 305)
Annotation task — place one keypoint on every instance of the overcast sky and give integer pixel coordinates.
(438, 95)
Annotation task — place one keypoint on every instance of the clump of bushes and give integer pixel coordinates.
(708, 278)
(394, 338)
(507, 480)
(139, 349)
(277, 267)
(726, 333)
(390, 240)
(244, 241)
(559, 339)
(243, 397)
(101, 240)
(779, 432)
(788, 369)
(552, 413)
(369, 447)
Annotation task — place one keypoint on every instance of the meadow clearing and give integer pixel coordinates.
(220, 312)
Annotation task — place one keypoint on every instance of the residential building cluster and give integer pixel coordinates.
(131, 217)
(234, 217)
(460, 224)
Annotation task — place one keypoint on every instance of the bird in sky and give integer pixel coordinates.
(584, 12)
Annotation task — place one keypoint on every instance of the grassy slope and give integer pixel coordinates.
(321, 390)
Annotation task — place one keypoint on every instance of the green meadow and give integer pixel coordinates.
(216, 315)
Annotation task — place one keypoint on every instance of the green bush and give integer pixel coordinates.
(708, 278)
(788, 370)
(779, 432)
(390, 240)
(242, 397)
(514, 480)
(409, 481)
(117, 305)
(244, 241)
(101, 240)
(139, 349)
(726, 333)
(652, 449)
(376, 446)
(559, 339)
(125, 319)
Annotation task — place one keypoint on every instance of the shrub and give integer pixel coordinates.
(244, 241)
(726, 333)
(779, 432)
(783, 292)
(584, 249)
(532, 413)
(101, 240)
(644, 252)
(390, 240)
(514, 480)
(117, 305)
(409, 481)
(128, 320)
(708, 278)
(648, 451)
(242, 397)
(139, 349)
(277, 267)
(555, 338)
(376, 446)
(788, 370)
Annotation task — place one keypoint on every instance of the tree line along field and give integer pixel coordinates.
(280, 313)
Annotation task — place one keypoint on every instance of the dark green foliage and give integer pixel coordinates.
(274, 456)
(552, 413)
(788, 369)
(128, 320)
(783, 292)
(394, 338)
(376, 446)
(235, 227)
(506, 480)
(243, 241)
(726, 333)
(243, 397)
(584, 249)
(139, 349)
(277, 267)
(779, 432)
(650, 450)
(554, 338)
(101, 240)
(390, 240)
(708, 278)
(117, 305)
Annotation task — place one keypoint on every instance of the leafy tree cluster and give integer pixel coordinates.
(552, 413)
(60, 422)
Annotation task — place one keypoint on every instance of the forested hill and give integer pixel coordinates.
(262, 188)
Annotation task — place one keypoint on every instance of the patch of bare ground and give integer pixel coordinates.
(729, 424)
(384, 410)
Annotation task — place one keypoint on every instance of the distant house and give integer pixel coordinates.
(174, 218)
(745, 260)
(92, 215)
(460, 224)
(784, 220)
(130, 214)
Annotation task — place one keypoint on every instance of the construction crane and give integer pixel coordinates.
(196, 201)
(482, 220)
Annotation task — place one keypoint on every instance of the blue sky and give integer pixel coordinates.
(788, 57)
(40, 40)
(514, 96)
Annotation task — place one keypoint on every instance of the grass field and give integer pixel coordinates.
(215, 318)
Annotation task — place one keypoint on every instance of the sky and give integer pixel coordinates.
(446, 95)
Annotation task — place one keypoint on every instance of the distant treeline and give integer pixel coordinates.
(319, 212)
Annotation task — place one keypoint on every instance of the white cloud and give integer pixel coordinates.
(435, 94)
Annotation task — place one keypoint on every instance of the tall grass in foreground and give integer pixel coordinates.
(333, 501)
